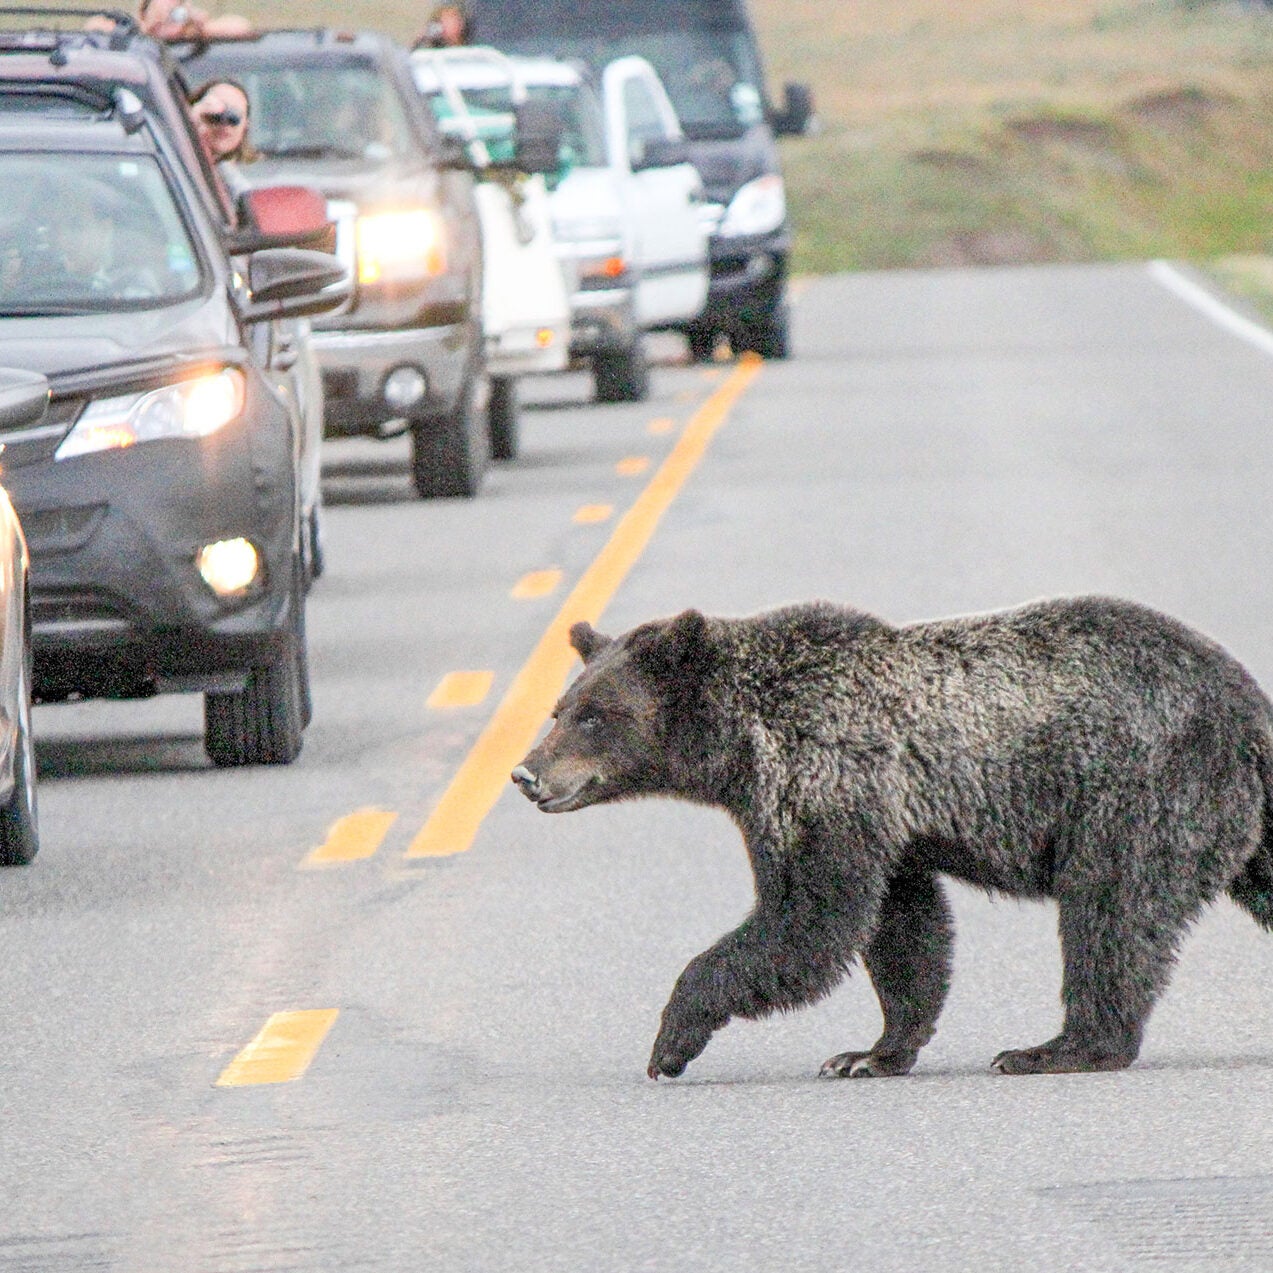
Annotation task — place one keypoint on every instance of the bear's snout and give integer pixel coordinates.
(527, 782)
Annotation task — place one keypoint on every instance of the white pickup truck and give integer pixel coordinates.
(627, 214)
(476, 94)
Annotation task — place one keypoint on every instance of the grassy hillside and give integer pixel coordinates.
(985, 131)
(1038, 130)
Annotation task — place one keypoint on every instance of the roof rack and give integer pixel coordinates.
(121, 103)
(126, 25)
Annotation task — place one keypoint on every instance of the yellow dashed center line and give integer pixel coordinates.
(461, 689)
(355, 836)
(539, 583)
(593, 513)
(632, 466)
(282, 1050)
(516, 722)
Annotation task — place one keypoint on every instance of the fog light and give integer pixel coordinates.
(544, 337)
(229, 566)
(404, 387)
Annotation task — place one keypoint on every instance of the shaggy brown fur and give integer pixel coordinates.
(1088, 750)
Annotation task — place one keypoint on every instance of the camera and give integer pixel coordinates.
(224, 119)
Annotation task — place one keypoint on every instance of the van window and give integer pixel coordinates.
(704, 50)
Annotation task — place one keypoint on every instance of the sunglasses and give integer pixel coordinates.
(224, 119)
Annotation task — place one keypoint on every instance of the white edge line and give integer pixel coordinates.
(1174, 281)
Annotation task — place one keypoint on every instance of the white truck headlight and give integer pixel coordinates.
(757, 207)
(191, 408)
(402, 246)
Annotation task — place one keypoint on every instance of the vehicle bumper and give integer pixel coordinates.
(527, 351)
(118, 607)
(355, 365)
(748, 279)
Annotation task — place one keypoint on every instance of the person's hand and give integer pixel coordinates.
(167, 21)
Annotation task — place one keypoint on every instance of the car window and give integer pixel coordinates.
(320, 109)
(712, 76)
(645, 122)
(90, 232)
(582, 141)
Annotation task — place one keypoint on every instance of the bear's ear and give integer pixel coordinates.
(672, 647)
(587, 640)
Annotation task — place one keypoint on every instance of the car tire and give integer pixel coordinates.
(502, 414)
(622, 376)
(702, 342)
(768, 335)
(19, 818)
(449, 454)
(264, 723)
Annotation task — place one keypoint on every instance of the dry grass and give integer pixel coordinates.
(978, 131)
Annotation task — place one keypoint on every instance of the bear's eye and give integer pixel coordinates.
(588, 721)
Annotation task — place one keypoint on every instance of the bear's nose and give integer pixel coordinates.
(527, 781)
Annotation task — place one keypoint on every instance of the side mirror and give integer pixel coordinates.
(539, 133)
(797, 111)
(660, 152)
(294, 282)
(24, 398)
(281, 217)
(455, 152)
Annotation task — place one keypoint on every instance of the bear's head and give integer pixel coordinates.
(617, 731)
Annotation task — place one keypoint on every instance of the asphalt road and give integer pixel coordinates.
(452, 1015)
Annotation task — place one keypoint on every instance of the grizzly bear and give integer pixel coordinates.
(1084, 749)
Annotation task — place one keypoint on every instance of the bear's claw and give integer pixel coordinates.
(867, 1065)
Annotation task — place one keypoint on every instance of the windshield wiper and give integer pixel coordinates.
(49, 311)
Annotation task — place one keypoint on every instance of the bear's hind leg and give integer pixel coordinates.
(908, 960)
(1117, 955)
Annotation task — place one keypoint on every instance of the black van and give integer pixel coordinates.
(707, 55)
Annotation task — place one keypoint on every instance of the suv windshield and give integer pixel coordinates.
(703, 50)
(90, 232)
(316, 109)
(712, 77)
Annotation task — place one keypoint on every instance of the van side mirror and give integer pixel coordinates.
(797, 111)
(282, 217)
(292, 283)
(659, 152)
(24, 398)
(538, 137)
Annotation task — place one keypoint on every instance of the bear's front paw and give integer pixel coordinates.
(679, 1042)
(865, 1065)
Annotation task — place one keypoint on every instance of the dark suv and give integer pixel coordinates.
(160, 496)
(339, 112)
